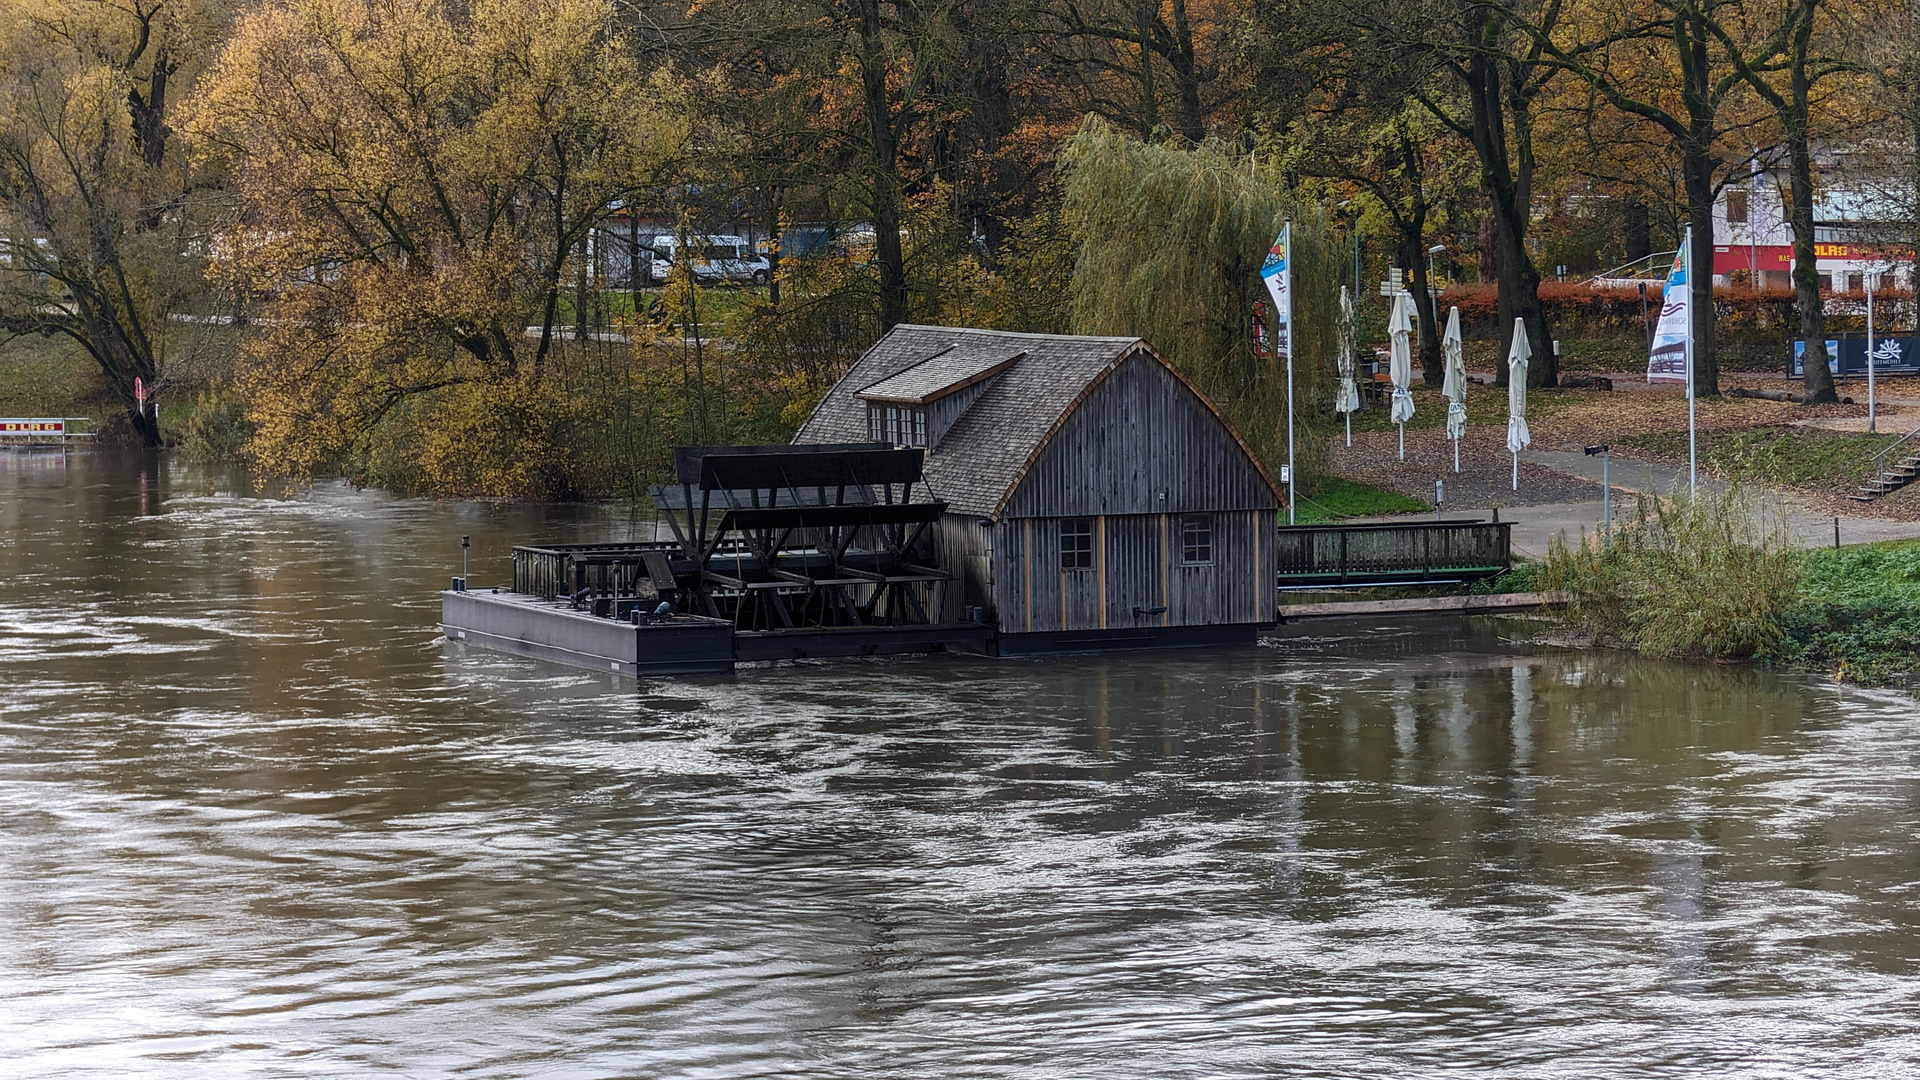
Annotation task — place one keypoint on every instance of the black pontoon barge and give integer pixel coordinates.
(779, 553)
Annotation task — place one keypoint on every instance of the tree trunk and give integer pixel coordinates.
(1634, 229)
(883, 179)
(1144, 15)
(1412, 251)
(633, 259)
(581, 289)
(1487, 255)
(773, 250)
(1519, 287)
(1186, 75)
(1696, 168)
(1818, 380)
(149, 113)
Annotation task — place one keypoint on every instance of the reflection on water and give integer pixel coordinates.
(257, 818)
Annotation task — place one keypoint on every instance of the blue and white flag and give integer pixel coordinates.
(1668, 361)
(1274, 271)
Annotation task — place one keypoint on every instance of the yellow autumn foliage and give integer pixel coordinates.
(415, 180)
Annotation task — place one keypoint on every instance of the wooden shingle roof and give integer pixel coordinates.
(982, 458)
(953, 370)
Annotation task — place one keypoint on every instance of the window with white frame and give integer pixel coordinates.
(901, 425)
(1196, 540)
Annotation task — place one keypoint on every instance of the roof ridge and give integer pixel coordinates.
(1013, 333)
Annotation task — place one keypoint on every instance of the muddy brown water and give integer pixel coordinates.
(258, 819)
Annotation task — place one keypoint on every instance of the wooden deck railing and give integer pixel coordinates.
(1411, 553)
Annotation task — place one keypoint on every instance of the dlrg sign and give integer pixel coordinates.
(33, 427)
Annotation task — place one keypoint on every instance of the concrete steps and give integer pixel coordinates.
(1889, 480)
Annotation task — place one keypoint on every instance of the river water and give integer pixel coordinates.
(258, 819)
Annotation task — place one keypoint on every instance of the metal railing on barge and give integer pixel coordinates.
(555, 571)
(1401, 553)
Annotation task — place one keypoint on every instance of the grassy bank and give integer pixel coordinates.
(1336, 499)
(50, 377)
(1856, 615)
(1717, 578)
(1783, 455)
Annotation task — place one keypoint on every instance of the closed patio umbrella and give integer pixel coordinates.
(1455, 386)
(1518, 438)
(1346, 399)
(1400, 366)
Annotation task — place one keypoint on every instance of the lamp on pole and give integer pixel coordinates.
(1431, 252)
(1606, 483)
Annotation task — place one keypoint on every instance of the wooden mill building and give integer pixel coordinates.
(1095, 498)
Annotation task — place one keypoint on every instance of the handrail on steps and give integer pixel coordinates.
(1894, 445)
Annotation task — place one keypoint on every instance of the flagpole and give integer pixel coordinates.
(1872, 427)
(1693, 456)
(1293, 479)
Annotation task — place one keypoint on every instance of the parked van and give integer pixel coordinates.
(715, 258)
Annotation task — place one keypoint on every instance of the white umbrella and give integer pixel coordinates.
(1456, 385)
(1346, 399)
(1518, 438)
(1400, 366)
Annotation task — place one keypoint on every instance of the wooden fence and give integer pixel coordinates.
(1433, 552)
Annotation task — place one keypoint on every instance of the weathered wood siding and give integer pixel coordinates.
(1137, 568)
(1141, 443)
(964, 549)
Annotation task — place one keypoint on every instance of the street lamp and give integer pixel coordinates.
(1431, 252)
(1606, 482)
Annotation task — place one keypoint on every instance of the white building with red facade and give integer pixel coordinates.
(1754, 243)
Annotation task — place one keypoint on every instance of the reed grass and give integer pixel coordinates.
(1711, 577)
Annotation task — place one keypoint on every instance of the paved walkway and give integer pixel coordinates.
(1533, 526)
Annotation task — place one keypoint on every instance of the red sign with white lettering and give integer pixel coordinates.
(33, 427)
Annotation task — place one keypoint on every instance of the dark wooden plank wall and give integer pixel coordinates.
(1142, 443)
(964, 549)
(1136, 566)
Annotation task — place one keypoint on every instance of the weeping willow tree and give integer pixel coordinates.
(1168, 245)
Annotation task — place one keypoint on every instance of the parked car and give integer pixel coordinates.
(715, 258)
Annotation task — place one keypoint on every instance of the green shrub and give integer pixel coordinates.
(1710, 577)
(1873, 642)
(1858, 615)
(215, 428)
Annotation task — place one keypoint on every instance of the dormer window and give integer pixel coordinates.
(915, 406)
(901, 425)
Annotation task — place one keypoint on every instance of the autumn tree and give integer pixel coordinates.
(1365, 132)
(99, 204)
(1787, 85)
(413, 179)
(1493, 69)
(1174, 66)
(1678, 66)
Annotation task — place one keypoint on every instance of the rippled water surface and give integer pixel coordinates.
(258, 819)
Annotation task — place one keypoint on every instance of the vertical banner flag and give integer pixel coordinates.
(1274, 273)
(1668, 362)
(1278, 275)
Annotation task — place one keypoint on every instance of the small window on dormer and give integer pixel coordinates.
(901, 425)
